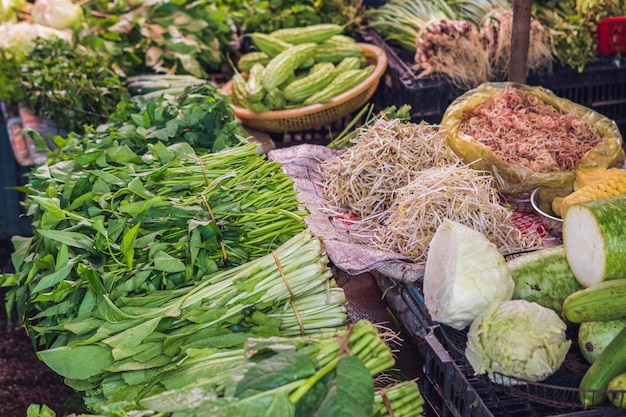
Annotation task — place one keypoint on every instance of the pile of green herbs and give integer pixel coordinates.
(139, 244)
(200, 116)
(572, 25)
(281, 377)
(162, 36)
(70, 85)
(267, 16)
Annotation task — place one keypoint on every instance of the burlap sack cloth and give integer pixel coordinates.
(345, 248)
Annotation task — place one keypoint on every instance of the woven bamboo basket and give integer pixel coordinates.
(310, 117)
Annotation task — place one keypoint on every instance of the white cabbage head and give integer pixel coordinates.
(465, 273)
(58, 14)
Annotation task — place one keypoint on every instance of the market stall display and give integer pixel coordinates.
(174, 268)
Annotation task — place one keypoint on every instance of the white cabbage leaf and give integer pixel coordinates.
(19, 37)
(518, 339)
(464, 274)
(58, 14)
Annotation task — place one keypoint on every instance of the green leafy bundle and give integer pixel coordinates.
(136, 223)
(201, 116)
(572, 37)
(175, 37)
(314, 375)
(268, 16)
(72, 86)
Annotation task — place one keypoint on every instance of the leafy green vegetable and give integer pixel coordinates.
(72, 86)
(465, 273)
(267, 16)
(200, 116)
(174, 37)
(507, 339)
(572, 37)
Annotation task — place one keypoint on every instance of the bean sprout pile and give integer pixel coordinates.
(385, 156)
(401, 180)
(458, 193)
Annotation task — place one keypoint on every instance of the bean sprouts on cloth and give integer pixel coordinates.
(458, 193)
(525, 131)
(364, 178)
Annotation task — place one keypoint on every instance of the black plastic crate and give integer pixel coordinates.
(12, 217)
(453, 389)
(448, 383)
(429, 97)
(408, 307)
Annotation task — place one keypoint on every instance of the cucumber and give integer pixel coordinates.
(609, 364)
(601, 302)
(594, 237)
(544, 277)
(595, 336)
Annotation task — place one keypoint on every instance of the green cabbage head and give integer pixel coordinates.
(519, 339)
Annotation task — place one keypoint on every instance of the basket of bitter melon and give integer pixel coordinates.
(299, 79)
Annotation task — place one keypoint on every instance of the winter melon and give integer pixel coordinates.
(544, 277)
(594, 336)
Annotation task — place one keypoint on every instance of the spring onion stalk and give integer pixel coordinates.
(400, 21)
(403, 399)
(475, 11)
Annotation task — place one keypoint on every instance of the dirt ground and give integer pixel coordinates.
(24, 379)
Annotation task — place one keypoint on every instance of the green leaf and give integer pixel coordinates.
(167, 263)
(73, 239)
(77, 362)
(278, 370)
(50, 205)
(352, 392)
(162, 134)
(139, 207)
(171, 127)
(271, 404)
(53, 279)
(125, 343)
(121, 154)
(128, 245)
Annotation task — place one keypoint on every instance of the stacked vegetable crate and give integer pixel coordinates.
(448, 383)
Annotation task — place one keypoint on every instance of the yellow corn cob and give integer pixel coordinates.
(612, 184)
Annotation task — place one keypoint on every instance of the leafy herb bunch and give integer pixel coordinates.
(175, 37)
(72, 86)
(266, 16)
(201, 116)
